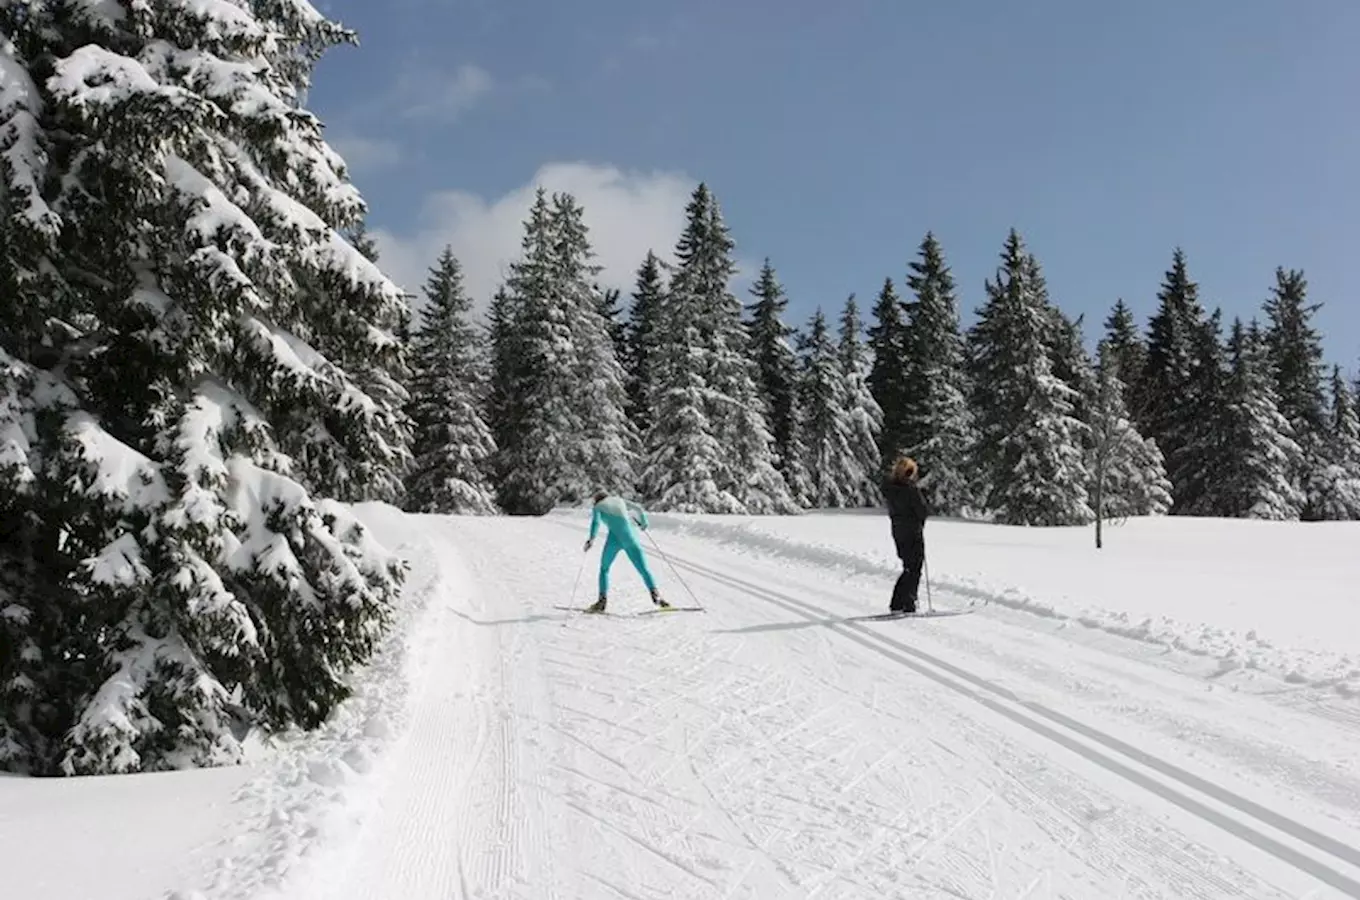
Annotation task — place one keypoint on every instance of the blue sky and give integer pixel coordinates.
(835, 135)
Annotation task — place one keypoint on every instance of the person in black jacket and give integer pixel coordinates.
(907, 512)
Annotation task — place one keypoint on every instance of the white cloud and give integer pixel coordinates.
(442, 96)
(366, 154)
(628, 213)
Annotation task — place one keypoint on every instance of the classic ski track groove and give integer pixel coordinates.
(1155, 699)
(1029, 715)
(1176, 703)
(450, 824)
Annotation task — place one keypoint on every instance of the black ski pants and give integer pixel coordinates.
(911, 549)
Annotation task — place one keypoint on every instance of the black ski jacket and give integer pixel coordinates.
(906, 506)
(907, 512)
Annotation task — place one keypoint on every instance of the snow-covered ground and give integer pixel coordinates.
(1175, 716)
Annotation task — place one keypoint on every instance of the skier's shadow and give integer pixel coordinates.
(522, 620)
(843, 620)
(787, 626)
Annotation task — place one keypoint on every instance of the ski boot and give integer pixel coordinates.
(597, 606)
(660, 603)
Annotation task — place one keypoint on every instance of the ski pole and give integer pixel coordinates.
(579, 573)
(925, 561)
(662, 554)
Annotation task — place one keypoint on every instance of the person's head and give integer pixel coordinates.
(600, 495)
(904, 470)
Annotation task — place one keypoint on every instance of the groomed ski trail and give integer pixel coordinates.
(726, 755)
(1254, 737)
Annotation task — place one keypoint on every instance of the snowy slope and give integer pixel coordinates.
(772, 746)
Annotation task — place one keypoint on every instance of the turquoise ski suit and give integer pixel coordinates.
(614, 513)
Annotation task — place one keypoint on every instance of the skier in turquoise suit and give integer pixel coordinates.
(615, 512)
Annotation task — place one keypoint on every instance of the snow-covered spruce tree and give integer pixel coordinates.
(360, 239)
(777, 377)
(683, 458)
(937, 421)
(863, 414)
(887, 371)
(1206, 455)
(559, 396)
(739, 421)
(1128, 350)
(30, 572)
(1336, 484)
(1294, 351)
(685, 464)
(715, 371)
(640, 341)
(833, 468)
(1258, 447)
(199, 354)
(453, 446)
(1065, 344)
(1030, 449)
(1170, 354)
(1128, 476)
(1178, 387)
(30, 620)
(502, 362)
(608, 445)
(1071, 363)
(535, 415)
(615, 324)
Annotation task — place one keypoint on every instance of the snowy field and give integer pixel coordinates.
(1175, 716)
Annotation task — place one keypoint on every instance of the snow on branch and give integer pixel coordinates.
(299, 366)
(17, 431)
(218, 21)
(116, 473)
(103, 16)
(281, 519)
(22, 157)
(96, 79)
(322, 248)
(230, 238)
(117, 724)
(217, 218)
(119, 565)
(23, 391)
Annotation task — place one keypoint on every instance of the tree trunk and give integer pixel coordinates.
(1099, 498)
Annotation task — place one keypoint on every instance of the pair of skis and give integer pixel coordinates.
(878, 617)
(919, 614)
(660, 610)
